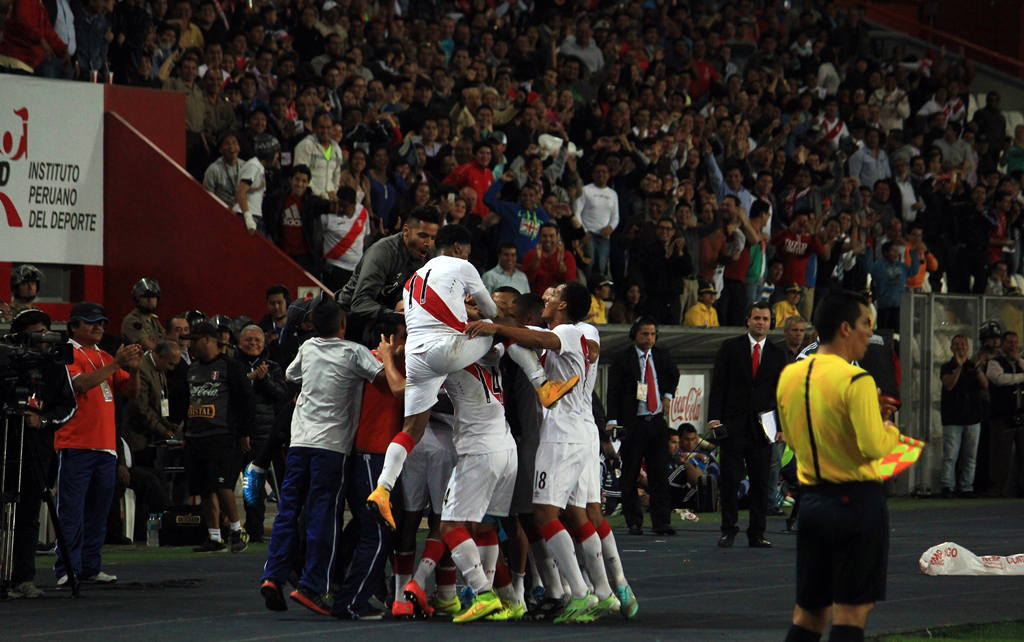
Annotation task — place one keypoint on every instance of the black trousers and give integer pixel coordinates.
(732, 305)
(737, 458)
(38, 443)
(646, 440)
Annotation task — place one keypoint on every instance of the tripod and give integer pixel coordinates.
(12, 465)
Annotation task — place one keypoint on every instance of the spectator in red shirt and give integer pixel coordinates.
(794, 247)
(549, 263)
(292, 217)
(476, 174)
(29, 38)
(87, 444)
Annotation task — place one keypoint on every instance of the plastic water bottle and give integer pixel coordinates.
(153, 530)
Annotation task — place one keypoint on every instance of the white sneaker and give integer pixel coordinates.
(100, 578)
(26, 589)
(62, 581)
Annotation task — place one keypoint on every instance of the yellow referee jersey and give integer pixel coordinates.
(830, 416)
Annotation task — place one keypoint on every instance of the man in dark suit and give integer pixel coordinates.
(743, 385)
(641, 383)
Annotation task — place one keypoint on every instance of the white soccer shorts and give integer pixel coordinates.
(427, 470)
(480, 485)
(560, 475)
(426, 369)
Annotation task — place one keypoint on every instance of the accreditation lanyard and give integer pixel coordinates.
(108, 394)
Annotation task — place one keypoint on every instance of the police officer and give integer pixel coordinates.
(142, 326)
(25, 282)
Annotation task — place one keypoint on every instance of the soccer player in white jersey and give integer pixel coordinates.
(560, 480)
(596, 537)
(436, 316)
(483, 479)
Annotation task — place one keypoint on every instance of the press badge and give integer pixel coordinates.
(641, 392)
(165, 408)
(108, 394)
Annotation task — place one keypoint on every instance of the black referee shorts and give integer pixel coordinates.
(842, 545)
(211, 463)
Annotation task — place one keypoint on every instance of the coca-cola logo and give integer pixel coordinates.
(687, 407)
(205, 390)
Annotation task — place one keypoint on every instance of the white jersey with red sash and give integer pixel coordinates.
(344, 237)
(832, 131)
(435, 299)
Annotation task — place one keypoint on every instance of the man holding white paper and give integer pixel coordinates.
(743, 384)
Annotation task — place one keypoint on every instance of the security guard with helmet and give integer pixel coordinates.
(25, 283)
(142, 326)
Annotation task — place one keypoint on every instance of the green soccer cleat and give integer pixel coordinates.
(605, 607)
(510, 613)
(442, 606)
(577, 610)
(486, 603)
(627, 601)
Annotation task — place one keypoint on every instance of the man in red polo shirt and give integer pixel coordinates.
(549, 264)
(476, 174)
(87, 444)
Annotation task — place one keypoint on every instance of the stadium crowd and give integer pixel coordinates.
(686, 161)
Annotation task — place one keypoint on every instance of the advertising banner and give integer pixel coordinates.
(51, 171)
(688, 403)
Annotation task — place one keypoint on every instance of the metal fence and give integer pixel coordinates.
(930, 321)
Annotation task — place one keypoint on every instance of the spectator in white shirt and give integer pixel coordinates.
(252, 183)
(505, 273)
(598, 211)
(323, 157)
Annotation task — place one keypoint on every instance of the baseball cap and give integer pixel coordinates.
(706, 287)
(597, 280)
(89, 312)
(793, 288)
(200, 330)
(498, 138)
(25, 318)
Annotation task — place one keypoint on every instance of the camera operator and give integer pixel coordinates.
(52, 404)
(87, 444)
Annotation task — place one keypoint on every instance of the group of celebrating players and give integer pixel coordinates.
(459, 455)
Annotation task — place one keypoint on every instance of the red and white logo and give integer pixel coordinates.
(10, 152)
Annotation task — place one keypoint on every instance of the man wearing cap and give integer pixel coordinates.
(220, 412)
(505, 273)
(323, 156)
(87, 443)
(142, 326)
(52, 404)
(252, 183)
(787, 307)
(703, 314)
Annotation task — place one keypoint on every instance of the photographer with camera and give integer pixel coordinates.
(1005, 374)
(52, 403)
(87, 444)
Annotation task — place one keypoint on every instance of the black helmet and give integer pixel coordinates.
(990, 330)
(194, 318)
(145, 287)
(24, 273)
(223, 322)
(239, 324)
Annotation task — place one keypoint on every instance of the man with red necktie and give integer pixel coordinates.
(743, 384)
(641, 384)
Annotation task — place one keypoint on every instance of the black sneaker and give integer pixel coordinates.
(210, 546)
(273, 596)
(239, 541)
(548, 609)
(947, 493)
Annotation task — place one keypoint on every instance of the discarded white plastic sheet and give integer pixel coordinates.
(949, 558)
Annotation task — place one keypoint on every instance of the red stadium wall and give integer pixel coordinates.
(156, 114)
(161, 223)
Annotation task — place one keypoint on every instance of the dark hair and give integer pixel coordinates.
(481, 144)
(279, 289)
(327, 318)
(577, 301)
(505, 246)
(759, 305)
(1008, 333)
(449, 235)
(174, 318)
(759, 207)
(837, 308)
(346, 194)
(529, 303)
(424, 214)
(548, 224)
(688, 429)
(302, 169)
(387, 325)
(164, 348)
(507, 289)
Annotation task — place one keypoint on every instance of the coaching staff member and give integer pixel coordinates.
(641, 382)
(742, 387)
(830, 412)
(220, 418)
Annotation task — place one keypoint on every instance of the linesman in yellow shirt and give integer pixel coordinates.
(832, 420)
